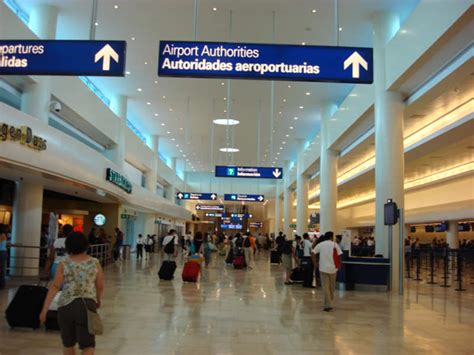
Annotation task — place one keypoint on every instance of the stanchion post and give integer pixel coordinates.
(459, 272)
(431, 282)
(418, 266)
(446, 261)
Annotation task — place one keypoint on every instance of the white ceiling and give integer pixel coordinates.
(150, 21)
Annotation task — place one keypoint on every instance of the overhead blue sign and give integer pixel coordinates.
(231, 226)
(196, 196)
(244, 197)
(265, 61)
(58, 57)
(249, 172)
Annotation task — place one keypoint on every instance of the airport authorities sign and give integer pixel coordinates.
(265, 61)
(244, 197)
(196, 196)
(62, 57)
(249, 172)
(209, 207)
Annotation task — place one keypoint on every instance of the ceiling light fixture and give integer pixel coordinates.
(171, 110)
(157, 114)
(156, 81)
(287, 135)
(229, 150)
(226, 122)
(303, 43)
(308, 93)
(168, 132)
(96, 24)
(173, 139)
(116, 6)
(340, 29)
(291, 127)
(146, 63)
(163, 124)
(139, 90)
(301, 107)
(295, 118)
(164, 97)
(313, 11)
(148, 103)
(214, 9)
(133, 38)
(128, 73)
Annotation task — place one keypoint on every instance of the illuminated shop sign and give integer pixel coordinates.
(265, 62)
(24, 135)
(119, 180)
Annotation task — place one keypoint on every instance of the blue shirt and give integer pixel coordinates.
(3, 245)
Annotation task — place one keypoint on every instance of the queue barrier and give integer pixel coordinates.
(27, 260)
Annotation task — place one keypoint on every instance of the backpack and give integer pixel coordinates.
(247, 242)
(287, 247)
(239, 242)
(169, 248)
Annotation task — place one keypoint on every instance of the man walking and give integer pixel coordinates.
(327, 267)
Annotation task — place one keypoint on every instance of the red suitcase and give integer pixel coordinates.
(191, 271)
(239, 262)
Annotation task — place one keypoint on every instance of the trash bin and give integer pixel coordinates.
(126, 251)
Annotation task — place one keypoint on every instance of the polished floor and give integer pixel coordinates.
(252, 312)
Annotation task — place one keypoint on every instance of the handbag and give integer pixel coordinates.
(94, 323)
(336, 258)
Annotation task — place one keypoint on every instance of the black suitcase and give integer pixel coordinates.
(308, 272)
(297, 275)
(25, 308)
(52, 320)
(275, 257)
(167, 270)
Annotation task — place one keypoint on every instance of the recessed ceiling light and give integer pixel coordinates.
(225, 111)
(163, 124)
(164, 97)
(281, 148)
(180, 128)
(303, 43)
(214, 9)
(139, 90)
(171, 110)
(284, 100)
(340, 29)
(333, 119)
(289, 86)
(353, 95)
(295, 118)
(128, 73)
(278, 153)
(229, 150)
(133, 38)
(313, 11)
(291, 127)
(226, 122)
(156, 81)
(187, 159)
(116, 6)
(283, 142)
(146, 63)
(180, 150)
(279, 112)
(184, 155)
(222, 83)
(308, 93)
(301, 107)
(96, 24)
(177, 145)
(225, 98)
(148, 103)
(173, 139)
(287, 135)
(168, 132)
(157, 114)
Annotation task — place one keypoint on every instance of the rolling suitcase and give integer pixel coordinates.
(239, 262)
(308, 272)
(167, 270)
(297, 275)
(275, 257)
(25, 308)
(191, 271)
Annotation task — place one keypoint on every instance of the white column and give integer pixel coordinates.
(36, 96)
(452, 236)
(277, 207)
(155, 143)
(26, 227)
(152, 175)
(301, 192)
(286, 199)
(389, 153)
(171, 189)
(119, 106)
(328, 174)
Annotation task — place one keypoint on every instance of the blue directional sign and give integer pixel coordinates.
(249, 172)
(244, 197)
(209, 207)
(265, 61)
(196, 196)
(58, 57)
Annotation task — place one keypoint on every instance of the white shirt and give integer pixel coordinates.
(325, 251)
(307, 247)
(141, 240)
(168, 239)
(60, 249)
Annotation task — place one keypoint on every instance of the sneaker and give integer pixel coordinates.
(328, 309)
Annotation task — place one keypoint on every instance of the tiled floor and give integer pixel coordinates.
(252, 312)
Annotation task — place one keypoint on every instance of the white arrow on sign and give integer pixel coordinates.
(277, 173)
(213, 196)
(198, 207)
(106, 53)
(260, 198)
(180, 195)
(356, 60)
